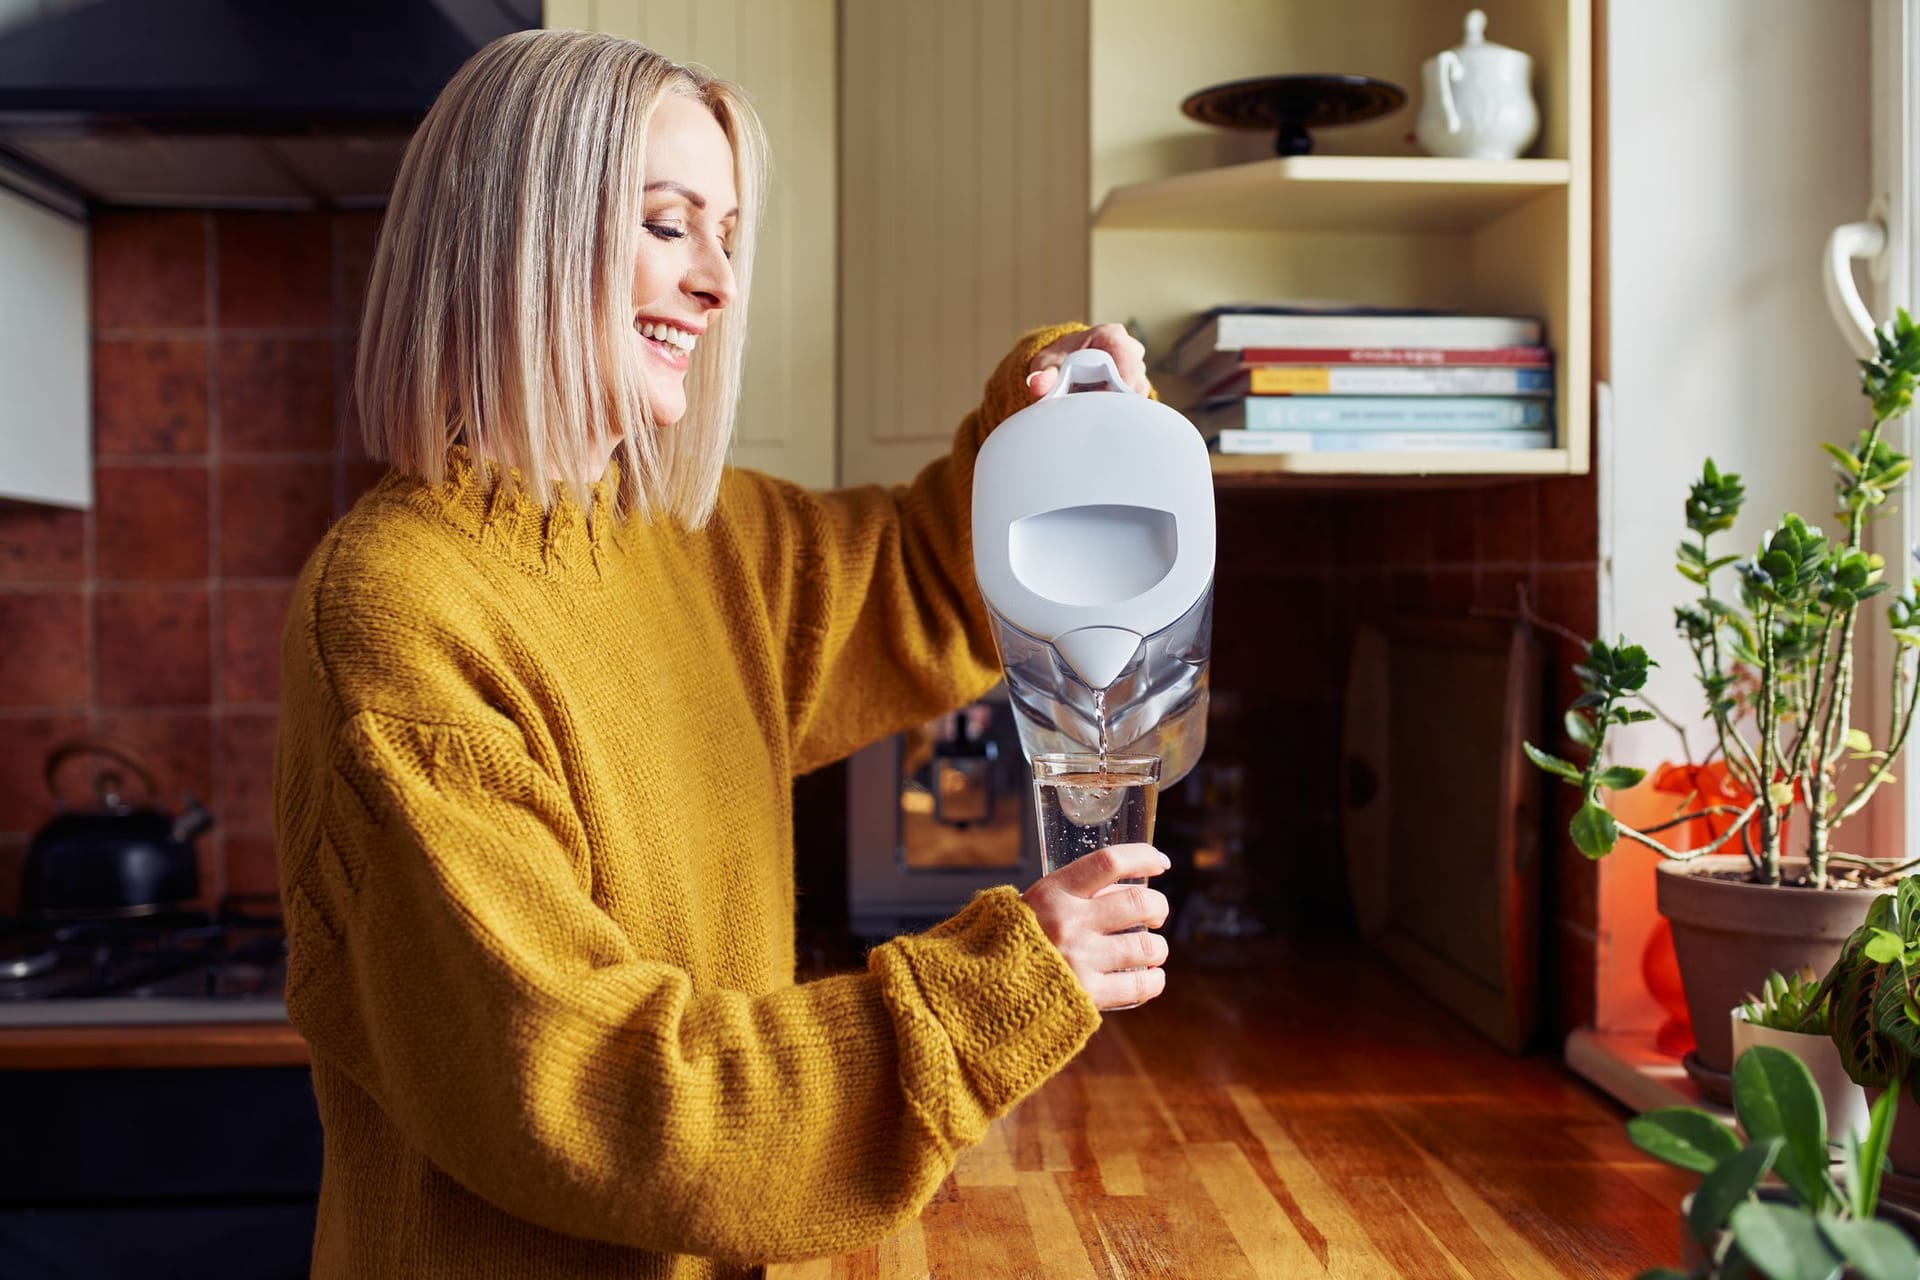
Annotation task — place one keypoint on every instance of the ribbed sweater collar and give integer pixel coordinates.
(505, 520)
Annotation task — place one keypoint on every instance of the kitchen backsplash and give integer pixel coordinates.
(1298, 570)
(223, 446)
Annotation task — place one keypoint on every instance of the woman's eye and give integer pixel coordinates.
(666, 232)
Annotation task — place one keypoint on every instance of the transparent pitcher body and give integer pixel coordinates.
(1157, 706)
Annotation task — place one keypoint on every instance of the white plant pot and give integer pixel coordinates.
(1845, 1101)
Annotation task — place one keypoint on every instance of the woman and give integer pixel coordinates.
(546, 689)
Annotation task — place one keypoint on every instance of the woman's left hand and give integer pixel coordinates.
(1129, 357)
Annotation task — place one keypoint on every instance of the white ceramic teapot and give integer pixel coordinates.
(1479, 99)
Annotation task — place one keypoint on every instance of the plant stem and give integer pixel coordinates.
(1722, 730)
(1688, 855)
(1769, 754)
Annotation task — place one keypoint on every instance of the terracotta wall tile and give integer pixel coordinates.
(1498, 589)
(150, 396)
(1409, 518)
(360, 477)
(251, 620)
(1450, 592)
(154, 645)
(1569, 520)
(39, 543)
(25, 741)
(175, 747)
(43, 649)
(275, 269)
(358, 234)
(151, 522)
(1507, 523)
(1456, 518)
(272, 514)
(276, 395)
(13, 860)
(149, 270)
(245, 741)
(252, 866)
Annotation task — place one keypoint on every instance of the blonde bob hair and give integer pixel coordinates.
(499, 313)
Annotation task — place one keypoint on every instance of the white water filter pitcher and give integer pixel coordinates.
(1093, 547)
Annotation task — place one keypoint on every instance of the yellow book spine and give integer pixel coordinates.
(1305, 380)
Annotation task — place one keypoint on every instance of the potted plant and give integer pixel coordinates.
(1790, 1013)
(1776, 663)
(1811, 1225)
(1874, 1010)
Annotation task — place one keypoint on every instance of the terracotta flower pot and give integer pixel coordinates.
(1730, 935)
(1845, 1101)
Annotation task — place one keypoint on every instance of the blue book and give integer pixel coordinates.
(1372, 413)
(1503, 440)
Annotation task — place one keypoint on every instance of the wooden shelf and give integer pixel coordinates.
(1331, 470)
(1334, 193)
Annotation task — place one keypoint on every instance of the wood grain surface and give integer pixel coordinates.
(249, 1044)
(1302, 1117)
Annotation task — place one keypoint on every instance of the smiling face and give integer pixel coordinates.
(681, 275)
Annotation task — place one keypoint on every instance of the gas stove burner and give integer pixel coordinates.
(27, 957)
(179, 963)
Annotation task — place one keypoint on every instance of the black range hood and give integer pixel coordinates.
(230, 104)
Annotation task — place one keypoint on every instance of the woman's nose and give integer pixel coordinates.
(712, 279)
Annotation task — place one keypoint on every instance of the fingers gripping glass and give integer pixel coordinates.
(1087, 802)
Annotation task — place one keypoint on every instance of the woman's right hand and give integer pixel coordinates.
(1083, 906)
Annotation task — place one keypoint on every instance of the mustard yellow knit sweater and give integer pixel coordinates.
(532, 798)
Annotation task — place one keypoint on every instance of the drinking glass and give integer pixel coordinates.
(1087, 802)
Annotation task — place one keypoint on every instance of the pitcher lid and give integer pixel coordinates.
(1093, 510)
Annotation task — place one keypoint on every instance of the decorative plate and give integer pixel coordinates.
(1293, 104)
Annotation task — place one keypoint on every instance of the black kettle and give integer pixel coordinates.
(115, 859)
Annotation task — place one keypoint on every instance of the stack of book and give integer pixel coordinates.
(1294, 379)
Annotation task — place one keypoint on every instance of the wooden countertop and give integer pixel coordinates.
(1312, 1117)
(232, 1044)
(1307, 1115)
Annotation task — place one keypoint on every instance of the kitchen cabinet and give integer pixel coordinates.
(1188, 216)
(46, 438)
(784, 54)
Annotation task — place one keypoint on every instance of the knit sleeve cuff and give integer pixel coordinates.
(988, 1010)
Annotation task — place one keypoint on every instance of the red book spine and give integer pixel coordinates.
(1508, 357)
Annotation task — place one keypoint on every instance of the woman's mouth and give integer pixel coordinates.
(666, 351)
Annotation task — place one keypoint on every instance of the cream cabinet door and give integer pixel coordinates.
(964, 209)
(783, 52)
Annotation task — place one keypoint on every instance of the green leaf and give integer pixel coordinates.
(1551, 764)
(1846, 460)
(1858, 740)
(1620, 776)
(1877, 1250)
(1883, 946)
(1783, 1242)
(1594, 831)
(1580, 729)
(1685, 1137)
(1730, 1183)
(1867, 1160)
(1868, 1056)
(1775, 1097)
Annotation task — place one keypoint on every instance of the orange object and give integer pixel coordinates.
(1660, 967)
(1692, 787)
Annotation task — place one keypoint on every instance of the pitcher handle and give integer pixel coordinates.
(1450, 70)
(1088, 369)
